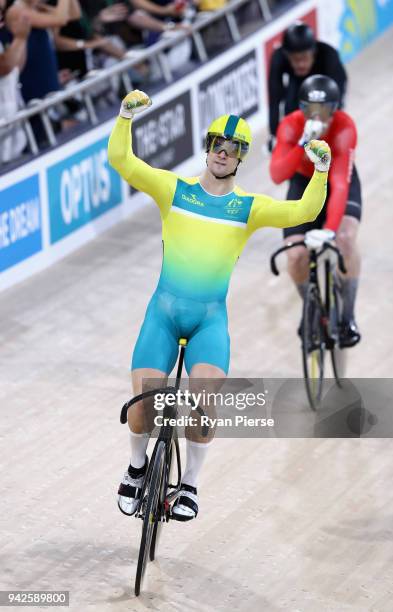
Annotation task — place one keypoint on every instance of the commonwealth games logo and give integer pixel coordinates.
(234, 206)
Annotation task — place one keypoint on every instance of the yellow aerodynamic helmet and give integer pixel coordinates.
(231, 128)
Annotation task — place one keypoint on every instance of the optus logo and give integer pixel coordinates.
(85, 186)
(81, 188)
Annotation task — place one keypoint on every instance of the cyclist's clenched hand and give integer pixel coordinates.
(319, 153)
(134, 102)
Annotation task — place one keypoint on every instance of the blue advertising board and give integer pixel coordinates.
(20, 222)
(81, 188)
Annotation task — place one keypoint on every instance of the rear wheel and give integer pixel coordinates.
(152, 512)
(313, 346)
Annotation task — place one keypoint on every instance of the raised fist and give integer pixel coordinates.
(134, 102)
(319, 153)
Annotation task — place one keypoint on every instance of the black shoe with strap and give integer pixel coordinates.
(349, 334)
(185, 507)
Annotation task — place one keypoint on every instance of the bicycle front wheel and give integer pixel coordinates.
(151, 512)
(338, 355)
(163, 487)
(313, 347)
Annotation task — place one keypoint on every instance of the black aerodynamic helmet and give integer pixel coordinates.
(321, 89)
(298, 37)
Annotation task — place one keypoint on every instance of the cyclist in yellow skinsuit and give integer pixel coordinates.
(206, 222)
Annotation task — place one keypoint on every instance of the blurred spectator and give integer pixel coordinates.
(123, 19)
(12, 59)
(299, 56)
(126, 19)
(74, 38)
(162, 8)
(40, 74)
(167, 11)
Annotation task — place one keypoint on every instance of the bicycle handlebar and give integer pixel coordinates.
(142, 396)
(326, 246)
(290, 245)
(152, 393)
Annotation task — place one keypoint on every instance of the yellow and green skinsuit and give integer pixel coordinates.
(203, 236)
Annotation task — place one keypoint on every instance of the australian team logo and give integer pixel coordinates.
(234, 206)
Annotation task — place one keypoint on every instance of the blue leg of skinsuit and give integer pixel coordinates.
(210, 342)
(157, 344)
(168, 318)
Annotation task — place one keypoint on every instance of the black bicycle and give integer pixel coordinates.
(320, 324)
(158, 493)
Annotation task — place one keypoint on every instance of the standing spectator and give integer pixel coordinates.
(123, 20)
(12, 60)
(299, 56)
(73, 39)
(40, 74)
(108, 17)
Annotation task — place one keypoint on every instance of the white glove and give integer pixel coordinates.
(134, 102)
(313, 128)
(319, 153)
(316, 238)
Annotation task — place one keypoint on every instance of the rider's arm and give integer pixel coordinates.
(334, 68)
(269, 212)
(288, 153)
(159, 184)
(52, 17)
(276, 89)
(339, 179)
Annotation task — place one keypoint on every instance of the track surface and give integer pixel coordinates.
(299, 525)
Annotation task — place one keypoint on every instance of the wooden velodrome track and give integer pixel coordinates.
(304, 525)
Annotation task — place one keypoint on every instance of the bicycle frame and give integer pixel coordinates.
(326, 332)
(313, 280)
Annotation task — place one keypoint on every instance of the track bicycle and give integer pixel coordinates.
(320, 324)
(158, 493)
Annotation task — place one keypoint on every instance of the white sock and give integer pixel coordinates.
(139, 442)
(196, 453)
